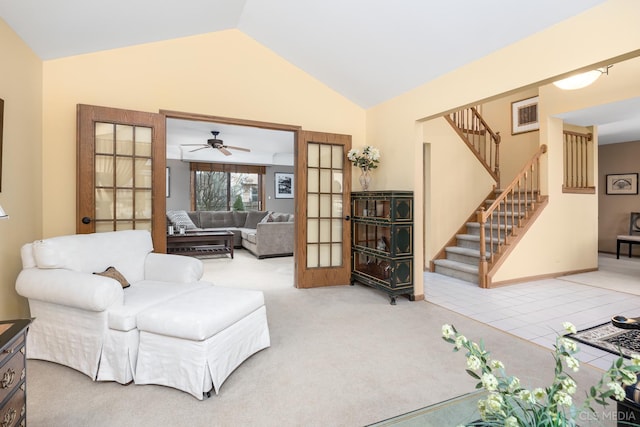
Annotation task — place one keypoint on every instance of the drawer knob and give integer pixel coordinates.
(8, 378)
(9, 418)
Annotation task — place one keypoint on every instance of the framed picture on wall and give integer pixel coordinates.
(624, 183)
(284, 185)
(524, 116)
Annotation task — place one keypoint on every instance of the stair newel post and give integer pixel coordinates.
(482, 265)
(497, 165)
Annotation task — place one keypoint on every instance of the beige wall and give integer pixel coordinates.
(223, 74)
(454, 192)
(392, 127)
(614, 210)
(21, 196)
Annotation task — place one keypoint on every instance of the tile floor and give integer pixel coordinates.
(536, 310)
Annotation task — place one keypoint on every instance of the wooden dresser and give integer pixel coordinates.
(13, 372)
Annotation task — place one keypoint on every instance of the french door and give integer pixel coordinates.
(121, 172)
(323, 189)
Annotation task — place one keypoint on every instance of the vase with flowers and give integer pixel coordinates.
(509, 404)
(366, 160)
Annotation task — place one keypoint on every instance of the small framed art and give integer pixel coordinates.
(284, 185)
(524, 116)
(624, 183)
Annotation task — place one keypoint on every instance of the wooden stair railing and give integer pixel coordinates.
(578, 163)
(476, 133)
(517, 203)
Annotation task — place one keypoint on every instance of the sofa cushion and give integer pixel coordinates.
(239, 218)
(180, 218)
(253, 218)
(216, 219)
(143, 295)
(112, 273)
(252, 237)
(195, 218)
(201, 314)
(125, 250)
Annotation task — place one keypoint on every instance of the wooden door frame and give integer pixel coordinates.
(171, 114)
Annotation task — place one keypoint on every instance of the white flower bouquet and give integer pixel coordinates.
(509, 404)
(368, 159)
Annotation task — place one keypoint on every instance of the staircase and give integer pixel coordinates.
(462, 255)
(492, 231)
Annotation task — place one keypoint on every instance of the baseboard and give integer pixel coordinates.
(419, 297)
(539, 277)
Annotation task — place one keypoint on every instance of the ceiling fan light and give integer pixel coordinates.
(579, 80)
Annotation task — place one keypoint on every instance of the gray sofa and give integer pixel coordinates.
(263, 233)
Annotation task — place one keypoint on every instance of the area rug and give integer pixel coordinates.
(610, 338)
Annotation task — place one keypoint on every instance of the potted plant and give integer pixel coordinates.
(366, 160)
(509, 404)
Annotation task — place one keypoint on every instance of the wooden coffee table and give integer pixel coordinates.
(201, 243)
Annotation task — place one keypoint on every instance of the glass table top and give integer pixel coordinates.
(453, 412)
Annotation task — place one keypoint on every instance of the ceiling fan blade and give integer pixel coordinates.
(198, 149)
(237, 148)
(224, 151)
(199, 145)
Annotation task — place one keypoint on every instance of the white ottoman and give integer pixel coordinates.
(194, 341)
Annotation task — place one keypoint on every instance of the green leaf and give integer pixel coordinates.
(473, 374)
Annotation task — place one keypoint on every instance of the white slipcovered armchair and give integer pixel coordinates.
(87, 321)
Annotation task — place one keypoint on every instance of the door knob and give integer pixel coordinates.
(86, 220)
(347, 218)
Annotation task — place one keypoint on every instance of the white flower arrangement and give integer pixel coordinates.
(368, 159)
(509, 404)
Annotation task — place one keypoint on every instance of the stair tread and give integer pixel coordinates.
(455, 265)
(476, 238)
(464, 251)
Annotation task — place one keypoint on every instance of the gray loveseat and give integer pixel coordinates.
(264, 233)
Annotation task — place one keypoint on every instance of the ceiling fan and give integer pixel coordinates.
(218, 144)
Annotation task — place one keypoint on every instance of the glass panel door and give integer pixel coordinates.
(123, 167)
(322, 198)
(325, 194)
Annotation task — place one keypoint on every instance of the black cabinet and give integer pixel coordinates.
(382, 241)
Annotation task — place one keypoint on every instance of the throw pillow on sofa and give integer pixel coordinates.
(180, 218)
(112, 273)
(275, 217)
(253, 218)
(267, 218)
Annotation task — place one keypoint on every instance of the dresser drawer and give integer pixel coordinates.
(11, 349)
(11, 373)
(12, 414)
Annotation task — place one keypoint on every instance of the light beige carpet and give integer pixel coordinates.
(339, 356)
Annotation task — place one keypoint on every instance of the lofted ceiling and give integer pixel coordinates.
(365, 50)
